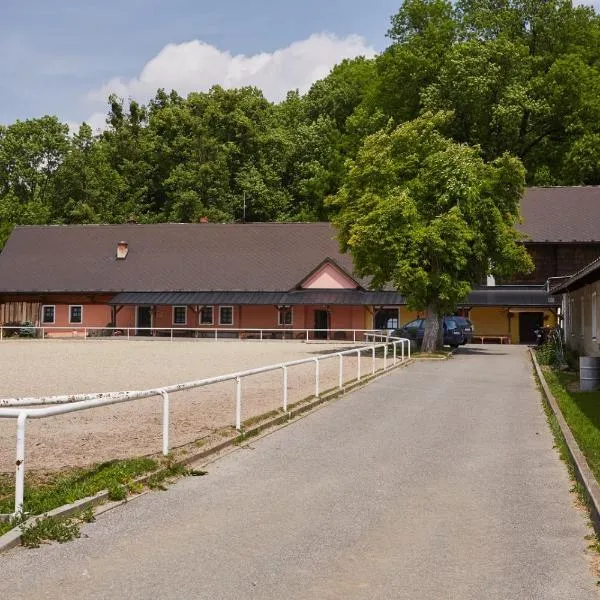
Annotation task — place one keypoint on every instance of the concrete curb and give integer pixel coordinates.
(12, 538)
(583, 473)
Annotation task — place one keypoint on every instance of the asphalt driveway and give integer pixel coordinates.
(439, 481)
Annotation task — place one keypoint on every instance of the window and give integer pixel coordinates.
(594, 317)
(75, 313)
(48, 314)
(206, 315)
(179, 315)
(225, 315)
(570, 316)
(285, 316)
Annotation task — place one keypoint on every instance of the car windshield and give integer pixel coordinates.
(416, 324)
(451, 324)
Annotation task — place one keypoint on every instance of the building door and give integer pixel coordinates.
(387, 318)
(321, 322)
(528, 323)
(144, 320)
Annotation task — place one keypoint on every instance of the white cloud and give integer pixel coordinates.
(197, 66)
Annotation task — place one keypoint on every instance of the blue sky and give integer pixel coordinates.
(63, 56)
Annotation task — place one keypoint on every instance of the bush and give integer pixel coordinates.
(546, 354)
(27, 329)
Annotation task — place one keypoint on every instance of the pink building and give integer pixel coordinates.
(276, 276)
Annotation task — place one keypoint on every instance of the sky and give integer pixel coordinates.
(63, 57)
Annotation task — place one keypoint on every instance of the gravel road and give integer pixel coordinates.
(437, 482)
(33, 368)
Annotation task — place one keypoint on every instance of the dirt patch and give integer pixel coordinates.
(36, 368)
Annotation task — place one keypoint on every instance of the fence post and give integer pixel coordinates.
(43, 333)
(261, 335)
(1, 333)
(20, 463)
(358, 365)
(285, 389)
(341, 382)
(385, 353)
(408, 346)
(317, 391)
(216, 333)
(238, 403)
(165, 432)
(307, 335)
(394, 346)
(171, 334)
(373, 361)
(354, 335)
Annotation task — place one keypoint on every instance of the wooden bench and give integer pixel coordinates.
(501, 339)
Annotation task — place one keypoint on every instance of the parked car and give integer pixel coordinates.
(415, 330)
(467, 326)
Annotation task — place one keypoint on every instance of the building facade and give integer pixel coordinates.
(280, 276)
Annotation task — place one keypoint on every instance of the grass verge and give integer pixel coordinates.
(46, 492)
(558, 382)
(581, 411)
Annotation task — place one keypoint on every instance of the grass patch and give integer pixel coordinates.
(43, 494)
(557, 382)
(581, 411)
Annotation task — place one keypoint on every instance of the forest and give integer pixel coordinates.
(515, 76)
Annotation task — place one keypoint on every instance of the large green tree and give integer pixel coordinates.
(430, 217)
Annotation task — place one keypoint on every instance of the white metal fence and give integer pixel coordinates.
(76, 331)
(25, 408)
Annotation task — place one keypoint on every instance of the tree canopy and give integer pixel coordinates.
(515, 80)
(429, 215)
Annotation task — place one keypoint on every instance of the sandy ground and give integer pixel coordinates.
(48, 367)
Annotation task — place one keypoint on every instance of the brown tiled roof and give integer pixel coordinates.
(166, 257)
(589, 274)
(231, 257)
(561, 214)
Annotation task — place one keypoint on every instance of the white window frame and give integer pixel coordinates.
(594, 317)
(280, 312)
(44, 307)
(570, 316)
(221, 324)
(173, 314)
(71, 322)
(212, 315)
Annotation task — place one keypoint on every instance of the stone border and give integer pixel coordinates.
(12, 538)
(583, 473)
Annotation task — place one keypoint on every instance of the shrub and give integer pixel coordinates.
(546, 354)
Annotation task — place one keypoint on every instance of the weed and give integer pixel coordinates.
(117, 492)
(59, 530)
(196, 472)
(87, 515)
(135, 487)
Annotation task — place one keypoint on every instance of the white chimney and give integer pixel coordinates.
(122, 250)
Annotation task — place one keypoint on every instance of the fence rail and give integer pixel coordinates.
(25, 408)
(77, 331)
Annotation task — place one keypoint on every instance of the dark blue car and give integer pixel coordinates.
(415, 330)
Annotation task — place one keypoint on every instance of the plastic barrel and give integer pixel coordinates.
(589, 373)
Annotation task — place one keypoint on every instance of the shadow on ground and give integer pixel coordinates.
(487, 350)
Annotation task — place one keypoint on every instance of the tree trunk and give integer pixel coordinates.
(433, 335)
